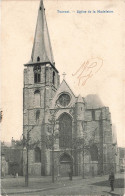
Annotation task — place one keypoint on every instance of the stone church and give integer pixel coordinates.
(65, 131)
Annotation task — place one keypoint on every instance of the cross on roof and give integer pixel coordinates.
(64, 74)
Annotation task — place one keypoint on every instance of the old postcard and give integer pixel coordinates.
(62, 97)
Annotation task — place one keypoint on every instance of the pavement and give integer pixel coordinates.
(62, 186)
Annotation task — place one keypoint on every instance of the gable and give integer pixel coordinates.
(63, 89)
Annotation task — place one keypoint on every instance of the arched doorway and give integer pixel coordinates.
(66, 164)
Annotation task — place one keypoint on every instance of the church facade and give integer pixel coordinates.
(66, 132)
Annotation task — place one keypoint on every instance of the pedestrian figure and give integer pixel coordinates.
(111, 180)
(70, 173)
(14, 172)
(16, 175)
(58, 177)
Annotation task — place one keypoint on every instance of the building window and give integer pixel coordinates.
(37, 115)
(37, 98)
(93, 115)
(65, 131)
(65, 158)
(37, 73)
(37, 155)
(53, 77)
(94, 153)
(38, 58)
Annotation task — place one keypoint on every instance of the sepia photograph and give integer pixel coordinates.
(62, 112)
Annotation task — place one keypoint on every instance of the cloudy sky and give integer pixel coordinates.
(75, 38)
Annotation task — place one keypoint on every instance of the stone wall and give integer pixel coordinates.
(94, 125)
(38, 127)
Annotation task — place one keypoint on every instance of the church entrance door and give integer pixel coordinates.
(65, 164)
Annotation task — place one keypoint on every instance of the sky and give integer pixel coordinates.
(76, 39)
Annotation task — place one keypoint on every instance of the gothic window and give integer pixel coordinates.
(65, 158)
(104, 152)
(65, 131)
(37, 155)
(64, 99)
(37, 98)
(37, 72)
(93, 115)
(94, 153)
(53, 77)
(37, 115)
(38, 58)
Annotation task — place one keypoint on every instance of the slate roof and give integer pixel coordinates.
(42, 45)
(93, 101)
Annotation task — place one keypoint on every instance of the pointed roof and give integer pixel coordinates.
(63, 88)
(79, 99)
(42, 50)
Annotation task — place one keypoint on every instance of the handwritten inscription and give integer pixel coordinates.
(87, 70)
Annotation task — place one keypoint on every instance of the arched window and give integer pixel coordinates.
(37, 98)
(37, 115)
(53, 77)
(94, 153)
(37, 72)
(37, 155)
(93, 114)
(38, 58)
(65, 131)
(65, 158)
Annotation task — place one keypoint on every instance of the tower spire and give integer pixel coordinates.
(42, 50)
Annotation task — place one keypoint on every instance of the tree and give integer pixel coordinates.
(83, 144)
(25, 142)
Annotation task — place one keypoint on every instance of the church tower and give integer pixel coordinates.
(41, 80)
(64, 132)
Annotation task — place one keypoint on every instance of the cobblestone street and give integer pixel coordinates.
(78, 186)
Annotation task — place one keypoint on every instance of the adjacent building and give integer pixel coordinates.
(11, 159)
